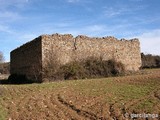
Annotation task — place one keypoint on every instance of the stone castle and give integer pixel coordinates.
(31, 58)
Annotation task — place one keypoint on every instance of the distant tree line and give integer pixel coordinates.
(5, 68)
(1, 57)
(150, 61)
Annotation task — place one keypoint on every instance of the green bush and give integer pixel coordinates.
(73, 70)
(90, 68)
(101, 68)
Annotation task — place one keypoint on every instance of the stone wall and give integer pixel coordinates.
(26, 60)
(57, 47)
(65, 48)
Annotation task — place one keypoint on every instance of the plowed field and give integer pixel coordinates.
(114, 98)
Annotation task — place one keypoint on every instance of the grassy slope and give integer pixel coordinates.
(136, 92)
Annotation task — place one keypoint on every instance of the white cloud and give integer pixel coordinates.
(111, 12)
(6, 3)
(150, 42)
(95, 28)
(9, 16)
(27, 36)
(4, 28)
(72, 1)
(121, 10)
(90, 30)
(136, 0)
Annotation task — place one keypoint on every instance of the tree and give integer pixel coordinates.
(1, 57)
(150, 61)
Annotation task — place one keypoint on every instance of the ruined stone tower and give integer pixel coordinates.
(30, 59)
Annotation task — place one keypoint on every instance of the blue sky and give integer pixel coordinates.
(24, 20)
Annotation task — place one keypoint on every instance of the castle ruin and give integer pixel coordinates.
(31, 58)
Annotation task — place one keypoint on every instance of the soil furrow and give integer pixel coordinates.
(78, 111)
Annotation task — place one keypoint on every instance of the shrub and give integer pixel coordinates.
(73, 70)
(90, 68)
(99, 68)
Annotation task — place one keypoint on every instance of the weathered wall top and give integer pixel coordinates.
(82, 37)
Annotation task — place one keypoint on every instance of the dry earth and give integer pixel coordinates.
(115, 98)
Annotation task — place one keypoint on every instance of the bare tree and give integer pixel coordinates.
(1, 57)
(51, 64)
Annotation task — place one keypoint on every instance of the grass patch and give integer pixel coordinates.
(146, 105)
(3, 113)
(114, 90)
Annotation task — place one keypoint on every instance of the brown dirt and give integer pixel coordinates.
(65, 103)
